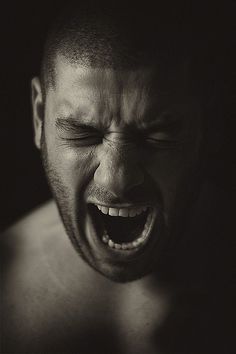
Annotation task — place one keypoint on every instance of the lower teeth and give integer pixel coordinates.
(129, 245)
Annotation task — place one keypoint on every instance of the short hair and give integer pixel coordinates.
(125, 37)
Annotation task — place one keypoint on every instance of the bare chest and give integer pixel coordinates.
(108, 327)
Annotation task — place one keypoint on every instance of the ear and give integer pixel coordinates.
(38, 110)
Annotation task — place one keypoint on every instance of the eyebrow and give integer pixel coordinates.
(70, 123)
(171, 124)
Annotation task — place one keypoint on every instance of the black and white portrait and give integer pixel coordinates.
(118, 209)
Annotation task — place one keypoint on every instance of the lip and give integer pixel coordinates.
(98, 245)
(120, 205)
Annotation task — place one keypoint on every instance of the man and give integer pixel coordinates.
(124, 121)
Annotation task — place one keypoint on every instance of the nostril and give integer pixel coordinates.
(102, 175)
(118, 179)
(119, 168)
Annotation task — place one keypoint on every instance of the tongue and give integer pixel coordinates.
(121, 229)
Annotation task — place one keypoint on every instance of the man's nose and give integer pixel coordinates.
(119, 170)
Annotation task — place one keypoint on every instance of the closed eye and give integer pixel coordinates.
(78, 134)
(161, 141)
(165, 135)
(84, 139)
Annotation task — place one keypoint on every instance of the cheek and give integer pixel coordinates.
(173, 172)
(76, 168)
(72, 167)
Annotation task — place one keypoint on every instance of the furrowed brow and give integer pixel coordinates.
(170, 124)
(70, 123)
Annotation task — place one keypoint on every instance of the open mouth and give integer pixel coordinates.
(123, 228)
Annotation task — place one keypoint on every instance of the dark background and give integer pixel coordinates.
(23, 30)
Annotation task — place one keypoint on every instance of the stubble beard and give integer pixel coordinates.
(61, 197)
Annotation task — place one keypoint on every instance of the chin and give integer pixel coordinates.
(123, 273)
(131, 262)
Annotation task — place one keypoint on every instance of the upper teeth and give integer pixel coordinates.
(125, 212)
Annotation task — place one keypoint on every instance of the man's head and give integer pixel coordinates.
(119, 115)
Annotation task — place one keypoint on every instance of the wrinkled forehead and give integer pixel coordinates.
(127, 94)
(152, 80)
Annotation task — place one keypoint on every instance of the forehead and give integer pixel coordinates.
(169, 77)
(112, 92)
(80, 79)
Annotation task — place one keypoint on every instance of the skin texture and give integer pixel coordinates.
(53, 301)
(140, 146)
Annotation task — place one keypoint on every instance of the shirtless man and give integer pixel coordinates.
(129, 256)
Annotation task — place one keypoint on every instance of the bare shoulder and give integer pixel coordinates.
(37, 222)
(23, 245)
(47, 291)
(27, 287)
(26, 236)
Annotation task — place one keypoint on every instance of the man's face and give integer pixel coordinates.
(121, 151)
